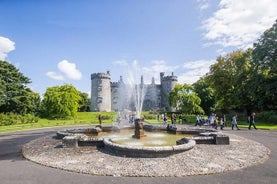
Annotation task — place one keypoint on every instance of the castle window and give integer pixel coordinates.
(99, 99)
(99, 88)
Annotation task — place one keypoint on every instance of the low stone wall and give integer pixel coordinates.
(147, 152)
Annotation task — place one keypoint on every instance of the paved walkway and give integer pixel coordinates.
(15, 169)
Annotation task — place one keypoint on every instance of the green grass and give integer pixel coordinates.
(83, 118)
(89, 118)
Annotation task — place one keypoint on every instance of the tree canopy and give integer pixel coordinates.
(15, 95)
(264, 83)
(61, 101)
(183, 98)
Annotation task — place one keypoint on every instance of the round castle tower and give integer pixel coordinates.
(101, 92)
(167, 85)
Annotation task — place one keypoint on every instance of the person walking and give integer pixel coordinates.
(221, 123)
(100, 120)
(251, 121)
(234, 122)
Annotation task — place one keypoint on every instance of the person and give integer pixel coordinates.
(215, 122)
(100, 120)
(222, 123)
(234, 122)
(165, 119)
(212, 120)
(198, 120)
(173, 119)
(251, 121)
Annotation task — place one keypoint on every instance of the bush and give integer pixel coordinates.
(267, 116)
(12, 119)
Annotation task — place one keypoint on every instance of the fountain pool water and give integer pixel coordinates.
(124, 137)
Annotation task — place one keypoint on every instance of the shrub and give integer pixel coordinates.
(12, 119)
(267, 116)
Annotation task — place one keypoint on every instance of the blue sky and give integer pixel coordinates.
(54, 42)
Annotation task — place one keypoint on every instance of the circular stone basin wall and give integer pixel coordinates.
(78, 137)
(147, 151)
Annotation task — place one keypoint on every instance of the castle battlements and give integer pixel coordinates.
(101, 75)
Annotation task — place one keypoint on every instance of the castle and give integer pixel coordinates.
(115, 96)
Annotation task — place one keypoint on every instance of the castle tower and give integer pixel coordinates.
(167, 85)
(101, 92)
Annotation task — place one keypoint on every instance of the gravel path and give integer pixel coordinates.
(201, 160)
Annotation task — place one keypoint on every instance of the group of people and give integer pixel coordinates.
(213, 120)
(173, 119)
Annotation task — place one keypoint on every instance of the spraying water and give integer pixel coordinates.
(135, 91)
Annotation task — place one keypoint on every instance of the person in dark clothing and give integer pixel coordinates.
(100, 120)
(252, 121)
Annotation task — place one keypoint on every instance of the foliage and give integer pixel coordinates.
(206, 94)
(12, 119)
(14, 95)
(264, 76)
(267, 116)
(84, 102)
(183, 98)
(229, 78)
(61, 102)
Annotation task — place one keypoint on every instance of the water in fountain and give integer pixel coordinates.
(133, 93)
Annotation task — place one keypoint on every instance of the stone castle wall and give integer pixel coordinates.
(113, 96)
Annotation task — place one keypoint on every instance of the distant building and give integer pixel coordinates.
(116, 96)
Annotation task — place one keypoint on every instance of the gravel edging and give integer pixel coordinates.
(201, 160)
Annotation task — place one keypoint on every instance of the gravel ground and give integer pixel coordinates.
(201, 160)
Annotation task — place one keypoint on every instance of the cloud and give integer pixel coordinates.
(6, 46)
(55, 76)
(239, 23)
(70, 70)
(203, 4)
(121, 63)
(67, 69)
(193, 70)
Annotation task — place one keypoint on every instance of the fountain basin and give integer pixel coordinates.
(122, 144)
(147, 151)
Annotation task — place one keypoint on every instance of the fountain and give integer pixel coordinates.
(133, 93)
(139, 132)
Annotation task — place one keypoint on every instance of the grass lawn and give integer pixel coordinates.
(89, 118)
(83, 118)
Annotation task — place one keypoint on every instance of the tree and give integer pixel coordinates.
(264, 83)
(84, 102)
(229, 77)
(15, 96)
(183, 98)
(61, 101)
(206, 94)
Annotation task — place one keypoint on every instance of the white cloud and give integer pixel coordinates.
(68, 69)
(239, 23)
(203, 4)
(193, 70)
(121, 63)
(6, 45)
(55, 76)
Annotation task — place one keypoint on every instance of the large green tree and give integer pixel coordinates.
(183, 98)
(15, 96)
(206, 94)
(264, 75)
(61, 102)
(229, 78)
